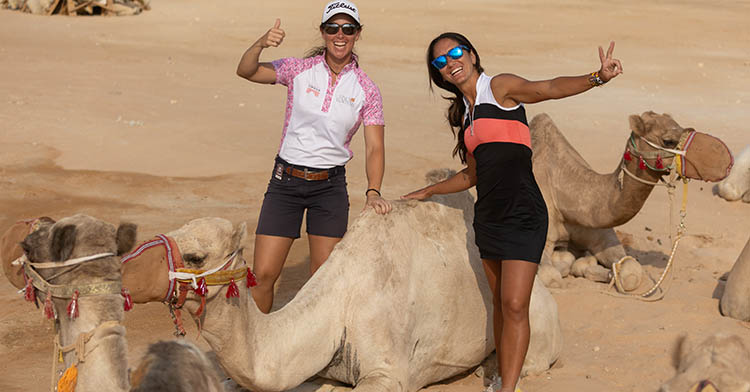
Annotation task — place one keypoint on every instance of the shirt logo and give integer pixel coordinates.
(346, 100)
(312, 89)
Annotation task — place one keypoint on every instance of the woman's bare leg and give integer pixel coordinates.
(516, 282)
(269, 257)
(320, 249)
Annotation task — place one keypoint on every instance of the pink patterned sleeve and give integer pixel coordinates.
(372, 110)
(286, 69)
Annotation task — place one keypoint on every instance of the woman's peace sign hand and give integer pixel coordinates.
(611, 67)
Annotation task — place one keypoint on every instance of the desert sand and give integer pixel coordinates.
(142, 119)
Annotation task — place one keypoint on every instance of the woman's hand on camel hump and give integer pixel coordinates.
(419, 194)
(611, 67)
(274, 36)
(381, 205)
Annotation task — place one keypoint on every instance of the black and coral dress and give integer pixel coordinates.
(510, 216)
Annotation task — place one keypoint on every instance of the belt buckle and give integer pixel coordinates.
(306, 173)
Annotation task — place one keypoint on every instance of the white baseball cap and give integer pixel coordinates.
(340, 7)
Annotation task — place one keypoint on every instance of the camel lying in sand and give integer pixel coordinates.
(95, 290)
(737, 184)
(584, 205)
(735, 302)
(402, 302)
(720, 359)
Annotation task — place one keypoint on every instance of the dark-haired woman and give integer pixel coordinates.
(510, 216)
(328, 97)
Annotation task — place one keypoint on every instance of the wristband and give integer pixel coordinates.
(595, 80)
(374, 190)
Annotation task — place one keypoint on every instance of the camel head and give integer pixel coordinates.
(207, 244)
(79, 236)
(720, 359)
(660, 144)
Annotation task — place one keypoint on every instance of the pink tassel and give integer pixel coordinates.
(49, 310)
(73, 306)
(233, 291)
(642, 164)
(29, 293)
(659, 163)
(251, 282)
(128, 303)
(627, 156)
(202, 288)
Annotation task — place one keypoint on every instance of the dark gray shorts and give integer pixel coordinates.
(287, 198)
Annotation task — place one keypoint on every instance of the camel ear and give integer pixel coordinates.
(63, 241)
(126, 233)
(637, 125)
(239, 235)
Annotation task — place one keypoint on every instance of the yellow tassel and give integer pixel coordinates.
(60, 358)
(67, 383)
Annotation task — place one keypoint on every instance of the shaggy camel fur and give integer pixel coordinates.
(10, 248)
(157, 369)
(737, 184)
(584, 205)
(735, 302)
(723, 360)
(402, 302)
(80, 236)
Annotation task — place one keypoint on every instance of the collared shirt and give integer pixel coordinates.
(323, 115)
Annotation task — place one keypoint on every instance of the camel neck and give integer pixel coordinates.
(301, 337)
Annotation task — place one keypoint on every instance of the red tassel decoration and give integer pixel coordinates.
(642, 164)
(202, 288)
(73, 306)
(233, 291)
(49, 310)
(128, 303)
(251, 282)
(29, 293)
(659, 163)
(627, 156)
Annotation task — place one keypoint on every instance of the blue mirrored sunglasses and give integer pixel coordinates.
(455, 54)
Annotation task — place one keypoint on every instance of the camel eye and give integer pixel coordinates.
(194, 259)
(669, 143)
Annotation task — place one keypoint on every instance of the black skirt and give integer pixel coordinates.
(510, 216)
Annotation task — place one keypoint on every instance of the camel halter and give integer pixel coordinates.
(182, 280)
(678, 163)
(35, 282)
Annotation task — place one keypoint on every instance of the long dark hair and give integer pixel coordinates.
(455, 113)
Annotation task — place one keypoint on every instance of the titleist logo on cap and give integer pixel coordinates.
(333, 6)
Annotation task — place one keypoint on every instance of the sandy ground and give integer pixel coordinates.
(142, 119)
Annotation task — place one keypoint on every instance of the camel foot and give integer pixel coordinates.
(550, 276)
(562, 260)
(631, 274)
(597, 273)
(578, 269)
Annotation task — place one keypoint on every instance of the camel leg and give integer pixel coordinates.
(602, 243)
(606, 247)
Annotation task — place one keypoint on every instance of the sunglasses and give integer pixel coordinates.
(441, 61)
(333, 28)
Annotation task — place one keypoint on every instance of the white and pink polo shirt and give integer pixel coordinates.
(321, 116)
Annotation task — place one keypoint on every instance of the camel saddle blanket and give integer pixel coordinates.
(706, 158)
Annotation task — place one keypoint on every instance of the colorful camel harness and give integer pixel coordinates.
(35, 282)
(182, 280)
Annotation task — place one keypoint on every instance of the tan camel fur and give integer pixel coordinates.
(735, 302)
(737, 184)
(104, 366)
(584, 206)
(402, 302)
(724, 360)
(157, 371)
(10, 248)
